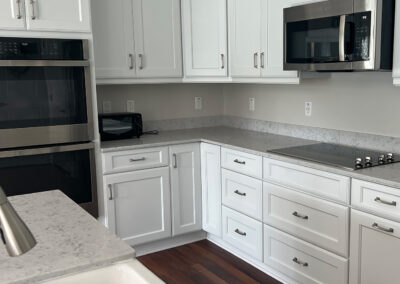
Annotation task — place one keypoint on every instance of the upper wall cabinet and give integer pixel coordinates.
(137, 38)
(205, 38)
(396, 59)
(45, 15)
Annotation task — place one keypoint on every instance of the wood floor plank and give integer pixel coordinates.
(203, 262)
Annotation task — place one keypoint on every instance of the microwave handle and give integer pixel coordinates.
(342, 34)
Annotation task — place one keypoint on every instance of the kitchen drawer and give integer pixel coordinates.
(242, 232)
(302, 261)
(241, 162)
(135, 160)
(375, 198)
(324, 184)
(315, 220)
(242, 193)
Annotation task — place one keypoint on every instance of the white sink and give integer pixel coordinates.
(127, 272)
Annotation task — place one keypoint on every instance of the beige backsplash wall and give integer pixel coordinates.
(359, 102)
(160, 102)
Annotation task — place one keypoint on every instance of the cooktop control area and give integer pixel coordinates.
(339, 156)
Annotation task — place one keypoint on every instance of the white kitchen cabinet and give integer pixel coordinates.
(139, 209)
(157, 31)
(211, 188)
(113, 38)
(204, 38)
(12, 14)
(396, 50)
(185, 188)
(374, 249)
(58, 15)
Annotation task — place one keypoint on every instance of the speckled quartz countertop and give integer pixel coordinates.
(68, 239)
(252, 142)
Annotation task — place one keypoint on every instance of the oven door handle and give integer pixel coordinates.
(342, 34)
(44, 63)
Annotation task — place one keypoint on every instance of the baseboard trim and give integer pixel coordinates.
(169, 243)
(252, 261)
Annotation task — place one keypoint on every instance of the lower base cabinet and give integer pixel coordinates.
(139, 209)
(302, 261)
(374, 249)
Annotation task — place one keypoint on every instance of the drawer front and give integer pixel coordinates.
(241, 162)
(302, 261)
(309, 180)
(320, 222)
(376, 199)
(242, 193)
(242, 232)
(135, 160)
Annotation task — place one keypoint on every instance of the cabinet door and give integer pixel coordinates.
(58, 15)
(211, 188)
(374, 249)
(113, 38)
(273, 39)
(204, 37)
(157, 33)
(139, 208)
(396, 55)
(12, 14)
(245, 37)
(185, 188)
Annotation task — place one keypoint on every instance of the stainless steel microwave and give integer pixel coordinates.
(339, 35)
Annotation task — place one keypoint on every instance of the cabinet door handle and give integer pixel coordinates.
(175, 165)
(223, 61)
(239, 162)
(237, 231)
(137, 160)
(110, 193)
(302, 263)
(296, 214)
(132, 63)
(240, 193)
(256, 60)
(262, 60)
(387, 230)
(391, 203)
(140, 61)
(33, 16)
(19, 13)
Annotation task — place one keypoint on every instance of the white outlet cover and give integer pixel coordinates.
(106, 107)
(308, 108)
(198, 103)
(130, 106)
(252, 104)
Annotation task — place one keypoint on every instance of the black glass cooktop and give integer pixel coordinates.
(339, 156)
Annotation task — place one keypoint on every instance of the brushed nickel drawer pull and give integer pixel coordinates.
(110, 197)
(304, 217)
(175, 161)
(131, 60)
(141, 61)
(387, 230)
(240, 193)
(256, 60)
(239, 162)
(237, 231)
(302, 263)
(223, 61)
(19, 14)
(262, 60)
(137, 160)
(390, 203)
(33, 17)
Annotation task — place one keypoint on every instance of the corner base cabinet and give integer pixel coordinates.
(139, 205)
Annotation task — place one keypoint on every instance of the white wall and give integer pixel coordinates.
(360, 102)
(159, 102)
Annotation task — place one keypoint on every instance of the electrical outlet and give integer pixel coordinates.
(198, 103)
(252, 104)
(130, 106)
(308, 108)
(106, 107)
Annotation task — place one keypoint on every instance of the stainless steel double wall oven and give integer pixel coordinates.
(46, 119)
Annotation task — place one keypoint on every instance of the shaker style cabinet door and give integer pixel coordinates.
(204, 38)
(138, 206)
(12, 14)
(157, 30)
(185, 188)
(211, 188)
(58, 15)
(374, 249)
(113, 39)
(396, 50)
(245, 37)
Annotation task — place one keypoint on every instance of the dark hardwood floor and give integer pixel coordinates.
(202, 262)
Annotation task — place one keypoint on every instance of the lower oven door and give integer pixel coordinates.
(69, 168)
